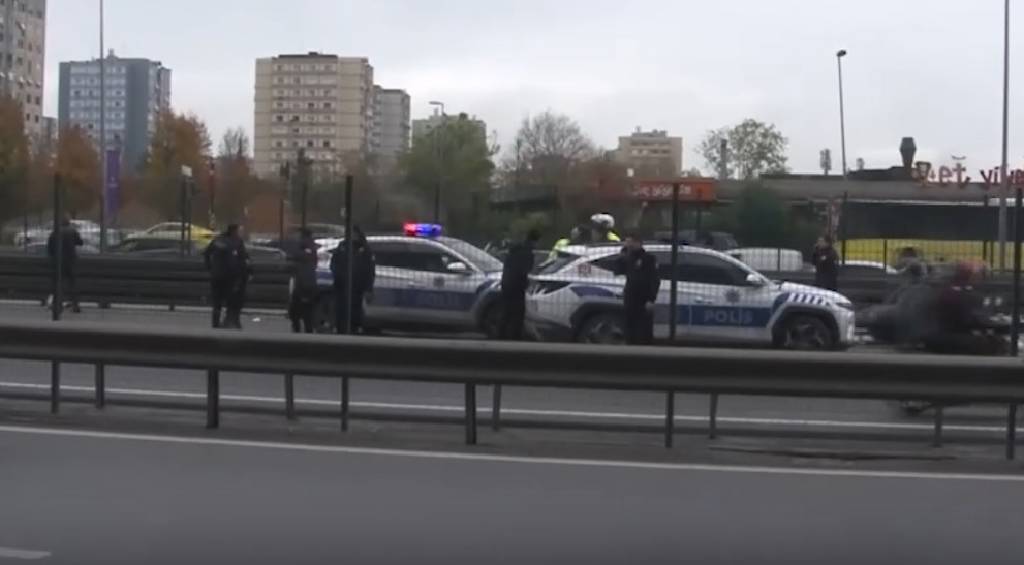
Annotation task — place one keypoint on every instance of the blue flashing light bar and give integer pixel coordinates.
(422, 230)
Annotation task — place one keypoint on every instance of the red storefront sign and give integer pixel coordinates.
(690, 190)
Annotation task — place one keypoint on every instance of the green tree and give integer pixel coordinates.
(754, 149)
(179, 140)
(455, 157)
(14, 158)
(78, 164)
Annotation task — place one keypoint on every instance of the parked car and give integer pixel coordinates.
(90, 232)
(171, 230)
(577, 297)
(771, 259)
(865, 268)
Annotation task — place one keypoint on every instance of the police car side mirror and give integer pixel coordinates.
(756, 280)
(458, 268)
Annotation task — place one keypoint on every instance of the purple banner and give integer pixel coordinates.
(112, 184)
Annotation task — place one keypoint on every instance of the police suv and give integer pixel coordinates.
(577, 297)
(424, 281)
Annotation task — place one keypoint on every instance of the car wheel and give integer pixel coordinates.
(604, 329)
(323, 315)
(806, 333)
(490, 322)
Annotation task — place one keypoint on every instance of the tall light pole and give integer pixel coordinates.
(1004, 192)
(842, 109)
(103, 136)
(437, 154)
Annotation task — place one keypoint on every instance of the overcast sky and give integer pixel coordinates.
(927, 68)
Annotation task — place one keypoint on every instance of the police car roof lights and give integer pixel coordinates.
(422, 230)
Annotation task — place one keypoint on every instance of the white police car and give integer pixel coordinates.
(424, 281)
(577, 297)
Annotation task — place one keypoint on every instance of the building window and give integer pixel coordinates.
(328, 105)
(327, 145)
(279, 118)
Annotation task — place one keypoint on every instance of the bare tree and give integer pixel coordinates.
(547, 146)
(234, 144)
(754, 149)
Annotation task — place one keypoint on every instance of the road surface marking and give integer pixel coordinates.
(22, 554)
(490, 458)
(804, 423)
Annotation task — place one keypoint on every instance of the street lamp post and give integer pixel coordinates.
(842, 109)
(1004, 192)
(437, 155)
(103, 136)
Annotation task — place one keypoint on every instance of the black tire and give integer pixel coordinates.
(490, 322)
(805, 333)
(603, 329)
(323, 314)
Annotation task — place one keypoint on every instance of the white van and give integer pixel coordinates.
(766, 259)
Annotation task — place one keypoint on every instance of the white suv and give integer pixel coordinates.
(577, 297)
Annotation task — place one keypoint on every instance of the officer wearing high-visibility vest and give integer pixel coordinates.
(578, 236)
(603, 226)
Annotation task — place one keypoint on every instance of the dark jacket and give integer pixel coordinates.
(826, 267)
(304, 263)
(518, 265)
(960, 310)
(364, 269)
(642, 280)
(227, 259)
(70, 242)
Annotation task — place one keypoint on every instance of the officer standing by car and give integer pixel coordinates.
(70, 241)
(826, 264)
(303, 284)
(514, 279)
(364, 271)
(642, 285)
(228, 263)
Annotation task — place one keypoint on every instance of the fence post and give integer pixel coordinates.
(670, 418)
(101, 386)
(344, 404)
(54, 387)
(57, 308)
(713, 417)
(496, 409)
(212, 399)
(885, 252)
(1015, 328)
(349, 254)
(289, 396)
(470, 414)
(1011, 433)
(940, 412)
(673, 313)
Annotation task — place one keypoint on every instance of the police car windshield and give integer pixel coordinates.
(478, 257)
(552, 266)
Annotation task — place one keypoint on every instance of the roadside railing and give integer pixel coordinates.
(941, 380)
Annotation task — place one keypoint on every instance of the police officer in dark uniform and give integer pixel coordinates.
(70, 241)
(228, 263)
(364, 271)
(514, 279)
(641, 292)
(304, 288)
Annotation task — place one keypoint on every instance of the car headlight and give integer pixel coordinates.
(848, 306)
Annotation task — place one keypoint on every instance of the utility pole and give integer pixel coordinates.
(103, 136)
(842, 109)
(1004, 193)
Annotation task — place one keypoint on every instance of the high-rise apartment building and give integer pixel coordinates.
(652, 153)
(137, 92)
(318, 103)
(390, 134)
(23, 57)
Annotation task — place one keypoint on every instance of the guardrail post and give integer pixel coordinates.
(496, 409)
(470, 414)
(713, 417)
(940, 412)
(212, 399)
(670, 418)
(344, 404)
(289, 396)
(1011, 433)
(54, 387)
(101, 386)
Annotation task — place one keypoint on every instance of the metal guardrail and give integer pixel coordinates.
(937, 379)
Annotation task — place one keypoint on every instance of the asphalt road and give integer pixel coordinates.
(111, 498)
